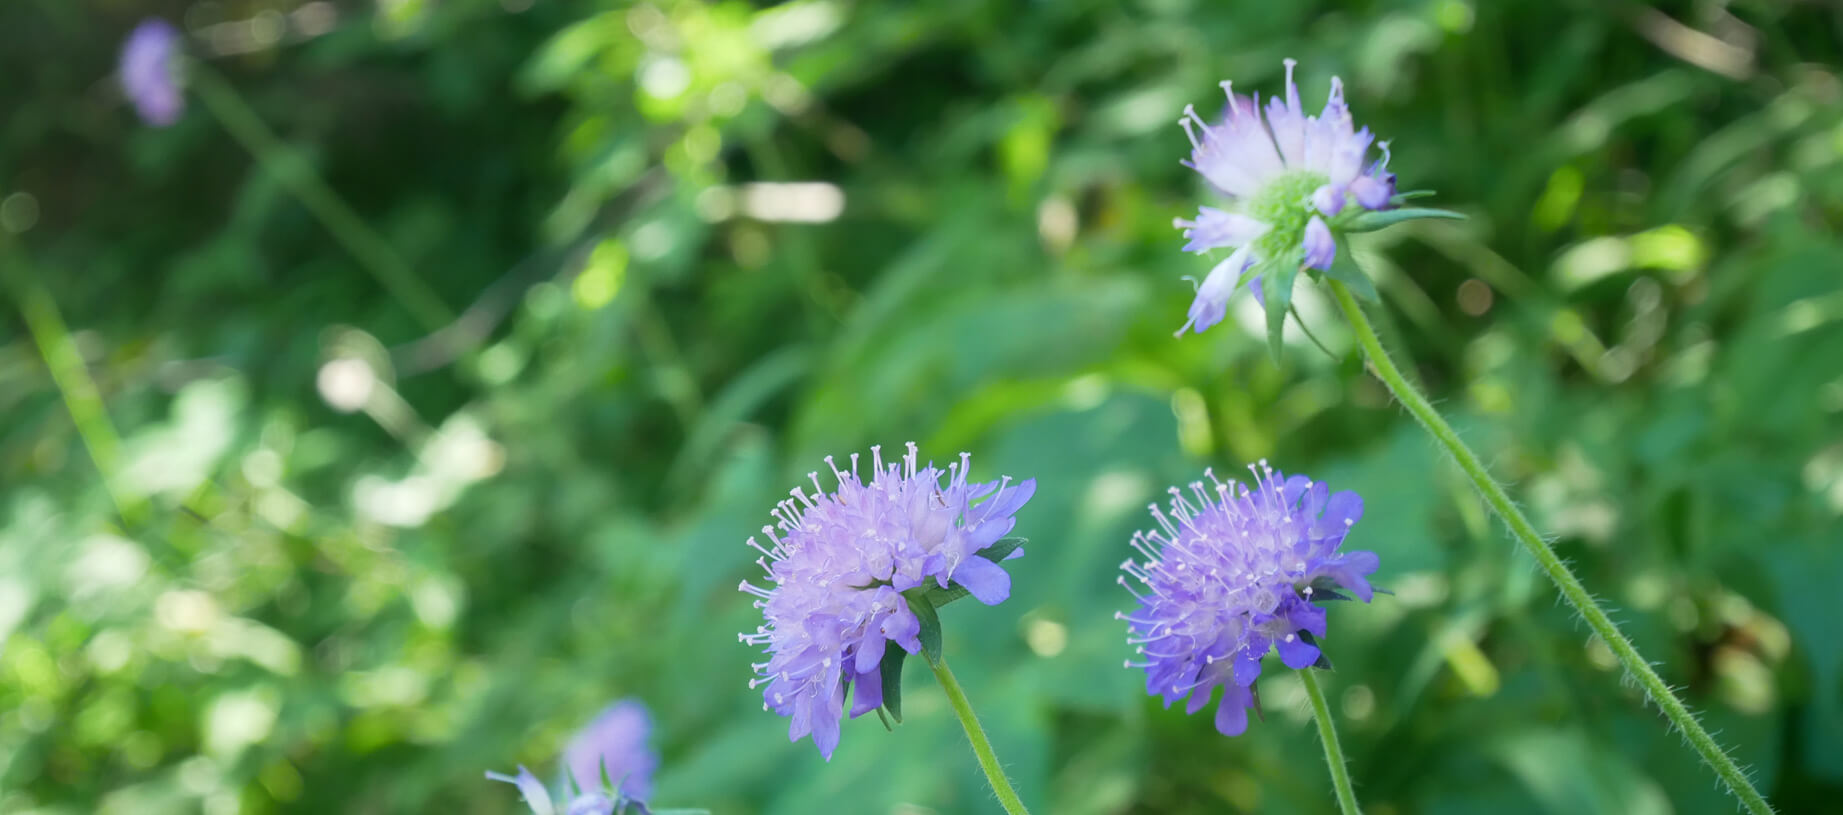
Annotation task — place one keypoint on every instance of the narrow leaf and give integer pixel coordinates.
(1409, 195)
(938, 596)
(1372, 221)
(997, 552)
(930, 624)
(891, 669)
(1277, 294)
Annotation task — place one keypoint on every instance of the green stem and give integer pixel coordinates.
(1334, 753)
(1570, 586)
(71, 376)
(982, 748)
(292, 170)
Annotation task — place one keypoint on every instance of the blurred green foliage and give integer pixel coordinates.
(260, 602)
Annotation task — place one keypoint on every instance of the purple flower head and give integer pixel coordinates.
(615, 743)
(838, 563)
(1287, 176)
(150, 72)
(540, 802)
(1234, 574)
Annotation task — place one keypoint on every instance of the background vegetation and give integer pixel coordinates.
(309, 550)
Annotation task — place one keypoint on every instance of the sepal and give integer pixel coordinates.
(1378, 219)
(891, 669)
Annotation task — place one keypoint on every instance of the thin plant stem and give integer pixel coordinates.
(988, 761)
(71, 376)
(1525, 533)
(1334, 752)
(292, 170)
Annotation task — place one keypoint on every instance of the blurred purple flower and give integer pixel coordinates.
(1284, 175)
(839, 564)
(615, 742)
(1234, 575)
(529, 788)
(587, 803)
(150, 72)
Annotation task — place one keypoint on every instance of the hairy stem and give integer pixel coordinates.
(1525, 533)
(988, 761)
(1334, 752)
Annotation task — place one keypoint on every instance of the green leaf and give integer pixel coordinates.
(1344, 270)
(938, 596)
(1372, 221)
(891, 670)
(1409, 195)
(1276, 294)
(930, 624)
(996, 553)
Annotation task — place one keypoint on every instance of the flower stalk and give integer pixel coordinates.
(1334, 752)
(293, 172)
(975, 733)
(1551, 564)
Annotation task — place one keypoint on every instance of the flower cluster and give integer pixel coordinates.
(613, 746)
(1233, 575)
(1288, 177)
(837, 564)
(150, 72)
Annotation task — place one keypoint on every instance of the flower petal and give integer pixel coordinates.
(988, 581)
(868, 695)
(1009, 499)
(1296, 653)
(1232, 713)
(870, 653)
(530, 788)
(1212, 302)
(1341, 512)
(1328, 199)
(1248, 661)
(1370, 192)
(1216, 229)
(1199, 698)
(1320, 247)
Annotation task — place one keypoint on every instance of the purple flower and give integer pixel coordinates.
(615, 742)
(150, 72)
(1233, 575)
(1287, 177)
(529, 788)
(539, 800)
(838, 565)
